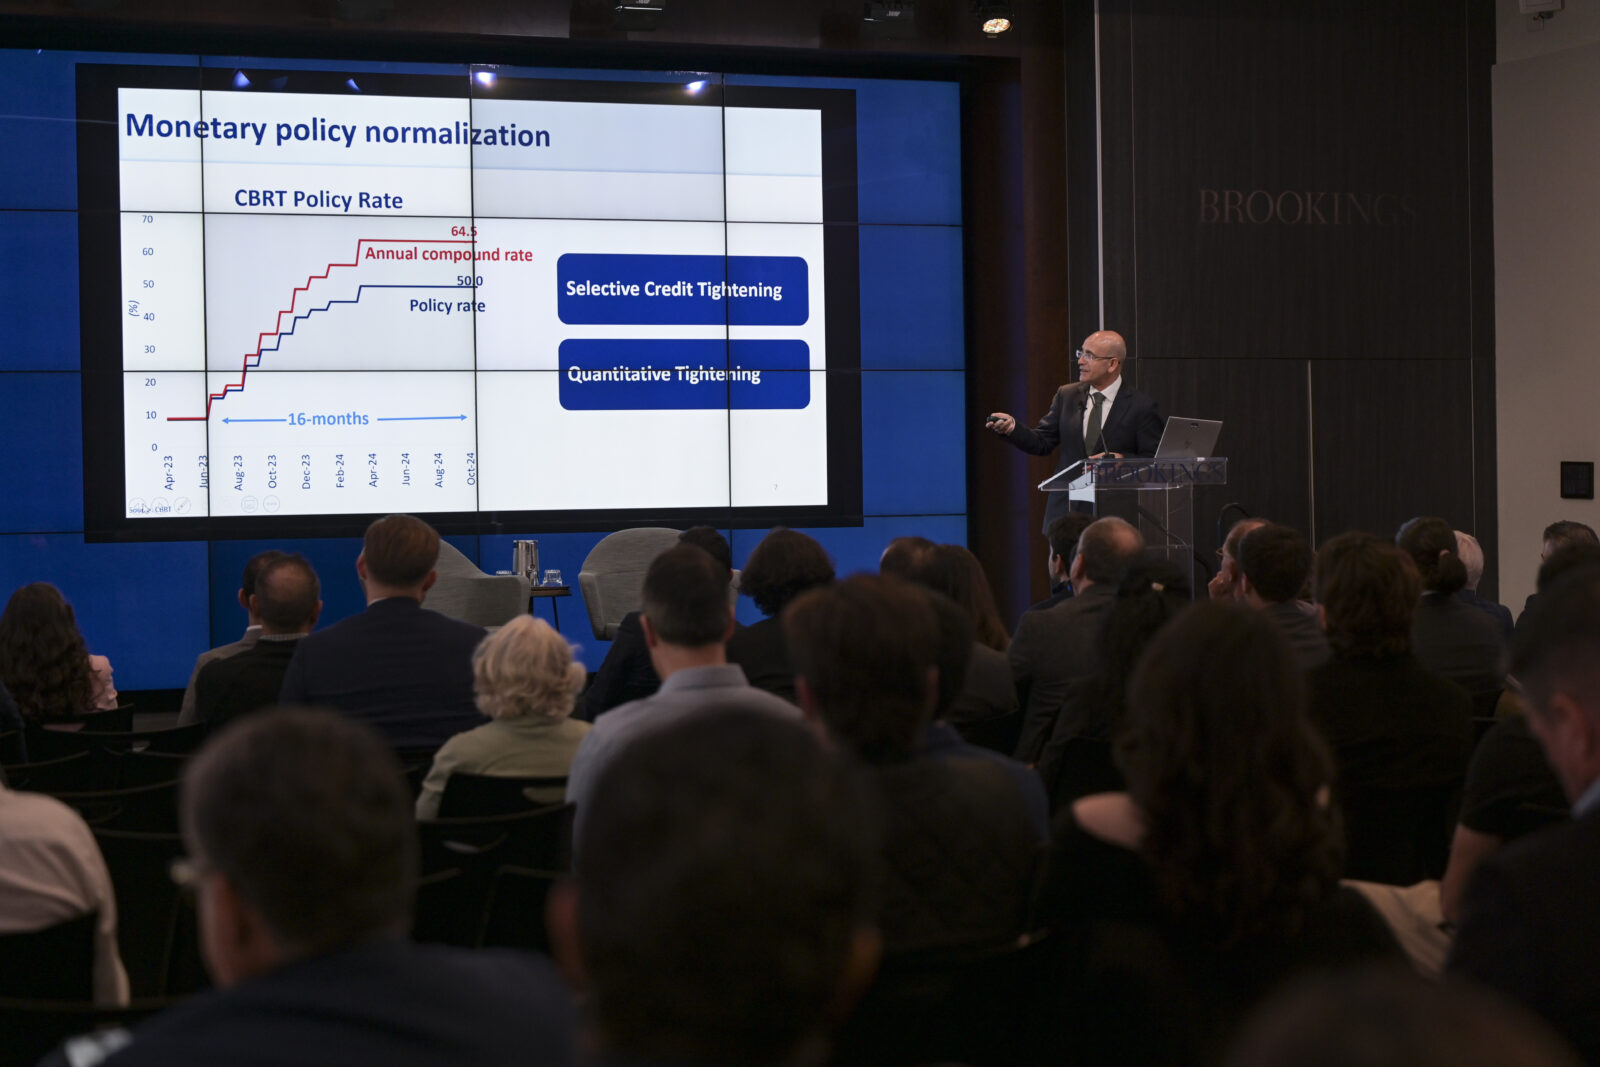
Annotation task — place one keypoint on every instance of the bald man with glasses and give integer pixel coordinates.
(1099, 415)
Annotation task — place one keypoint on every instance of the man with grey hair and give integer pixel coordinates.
(1471, 554)
(1055, 646)
(303, 857)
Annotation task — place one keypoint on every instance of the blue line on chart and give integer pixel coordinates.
(417, 418)
(355, 299)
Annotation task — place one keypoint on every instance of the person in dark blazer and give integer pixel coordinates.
(287, 599)
(1530, 925)
(1272, 565)
(1097, 415)
(785, 564)
(400, 668)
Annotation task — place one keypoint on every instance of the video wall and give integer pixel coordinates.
(259, 301)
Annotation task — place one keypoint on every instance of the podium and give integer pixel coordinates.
(1155, 495)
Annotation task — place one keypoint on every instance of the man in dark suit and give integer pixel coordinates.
(1063, 536)
(1273, 562)
(287, 599)
(1530, 923)
(1097, 415)
(403, 669)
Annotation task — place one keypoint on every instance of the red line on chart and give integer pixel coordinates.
(238, 387)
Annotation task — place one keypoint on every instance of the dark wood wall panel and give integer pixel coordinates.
(1391, 440)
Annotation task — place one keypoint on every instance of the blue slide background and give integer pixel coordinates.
(152, 607)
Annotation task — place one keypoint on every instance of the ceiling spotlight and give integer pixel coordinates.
(996, 15)
(484, 78)
(694, 88)
(995, 27)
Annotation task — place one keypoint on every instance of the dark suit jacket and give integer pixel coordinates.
(403, 669)
(247, 681)
(1132, 427)
(1050, 649)
(625, 674)
(1305, 637)
(1530, 928)
(988, 691)
(1498, 612)
(1457, 641)
(764, 654)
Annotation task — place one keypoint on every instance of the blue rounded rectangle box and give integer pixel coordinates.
(684, 375)
(651, 290)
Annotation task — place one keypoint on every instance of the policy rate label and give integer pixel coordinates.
(684, 375)
(657, 290)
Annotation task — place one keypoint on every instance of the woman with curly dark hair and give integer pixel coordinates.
(1216, 875)
(43, 659)
(785, 564)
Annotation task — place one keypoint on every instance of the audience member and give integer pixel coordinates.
(901, 556)
(626, 673)
(526, 683)
(1387, 1018)
(1215, 876)
(940, 739)
(724, 904)
(1559, 535)
(51, 871)
(252, 630)
(13, 738)
(686, 621)
(286, 603)
(960, 849)
(1471, 554)
(44, 662)
(402, 669)
(1224, 584)
(988, 691)
(1062, 536)
(1055, 647)
(1077, 760)
(303, 854)
(1271, 566)
(1528, 925)
(785, 564)
(1452, 639)
(1401, 735)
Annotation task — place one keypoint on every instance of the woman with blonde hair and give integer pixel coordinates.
(526, 682)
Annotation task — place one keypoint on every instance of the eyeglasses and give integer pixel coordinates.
(1084, 353)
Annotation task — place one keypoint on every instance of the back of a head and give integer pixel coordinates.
(1391, 1017)
(287, 594)
(953, 655)
(1222, 760)
(1557, 643)
(865, 649)
(955, 572)
(1564, 560)
(43, 659)
(1368, 590)
(785, 564)
(1275, 559)
(254, 566)
(400, 550)
(1238, 532)
(1567, 532)
(901, 556)
(686, 597)
(1108, 547)
(1064, 532)
(307, 815)
(1471, 554)
(1151, 595)
(1431, 544)
(727, 865)
(526, 668)
(709, 538)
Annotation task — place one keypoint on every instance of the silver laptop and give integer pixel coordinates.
(1186, 438)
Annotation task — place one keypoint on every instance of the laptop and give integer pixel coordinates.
(1186, 438)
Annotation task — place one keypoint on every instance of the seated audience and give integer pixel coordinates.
(1077, 760)
(686, 623)
(1528, 919)
(940, 739)
(1559, 535)
(1401, 735)
(526, 683)
(1215, 877)
(13, 738)
(252, 630)
(626, 674)
(901, 555)
(1471, 554)
(723, 910)
(1224, 584)
(1057, 646)
(303, 854)
(44, 662)
(955, 573)
(1062, 535)
(785, 564)
(397, 666)
(286, 603)
(960, 848)
(51, 871)
(1272, 564)
(1452, 639)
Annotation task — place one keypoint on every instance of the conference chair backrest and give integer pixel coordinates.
(465, 592)
(468, 795)
(612, 577)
